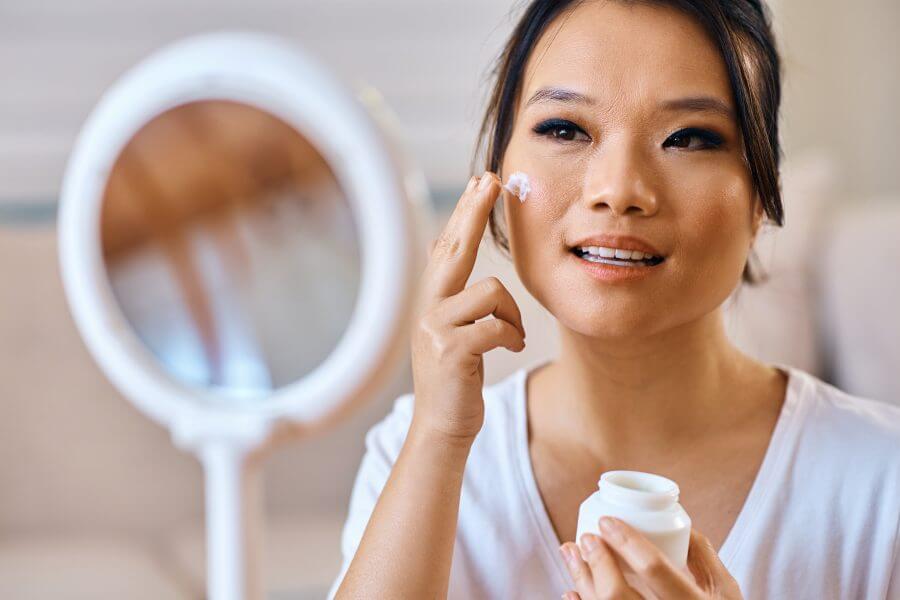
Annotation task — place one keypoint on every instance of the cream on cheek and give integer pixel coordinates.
(519, 185)
(530, 222)
(549, 191)
(541, 203)
(540, 228)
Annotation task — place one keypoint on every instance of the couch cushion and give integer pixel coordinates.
(301, 555)
(74, 454)
(860, 291)
(82, 569)
(776, 321)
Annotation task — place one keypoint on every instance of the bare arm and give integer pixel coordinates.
(407, 547)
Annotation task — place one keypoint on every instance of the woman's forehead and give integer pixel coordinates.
(613, 51)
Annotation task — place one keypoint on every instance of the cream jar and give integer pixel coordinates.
(647, 502)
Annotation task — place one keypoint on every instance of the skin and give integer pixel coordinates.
(646, 378)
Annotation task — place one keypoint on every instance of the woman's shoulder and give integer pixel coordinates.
(847, 412)
(862, 432)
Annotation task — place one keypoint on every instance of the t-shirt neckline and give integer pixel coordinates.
(770, 469)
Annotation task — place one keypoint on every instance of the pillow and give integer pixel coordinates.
(776, 322)
(860, 291)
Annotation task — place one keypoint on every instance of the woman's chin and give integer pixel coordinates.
(610, 322)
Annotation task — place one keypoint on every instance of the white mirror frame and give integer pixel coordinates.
(389, 205)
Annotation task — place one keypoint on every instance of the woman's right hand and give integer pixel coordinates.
(447, 343)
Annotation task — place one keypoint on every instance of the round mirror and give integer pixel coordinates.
(230, 247)
(239, 244)
(238, 232)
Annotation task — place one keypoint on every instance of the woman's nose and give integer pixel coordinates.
(620, 178)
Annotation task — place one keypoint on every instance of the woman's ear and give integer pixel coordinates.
(759, 215)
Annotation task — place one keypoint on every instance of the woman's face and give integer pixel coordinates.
(609, 150)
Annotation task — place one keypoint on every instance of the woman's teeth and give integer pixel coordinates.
(615, 256)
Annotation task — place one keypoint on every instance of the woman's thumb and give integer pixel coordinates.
(708, 570)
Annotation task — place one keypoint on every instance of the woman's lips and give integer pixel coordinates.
(621, 242)
(615, 273)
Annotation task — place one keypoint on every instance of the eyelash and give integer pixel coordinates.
(711, 140)
(548, 128)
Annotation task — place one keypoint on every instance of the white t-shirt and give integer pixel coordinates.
(821, 519)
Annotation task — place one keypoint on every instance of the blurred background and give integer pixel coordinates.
(94, 499)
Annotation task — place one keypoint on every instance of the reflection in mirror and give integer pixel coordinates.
(230, 248)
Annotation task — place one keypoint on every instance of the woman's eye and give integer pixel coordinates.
(682, 139)
(561, 130)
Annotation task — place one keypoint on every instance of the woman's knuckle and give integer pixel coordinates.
(448, 245)
(706, 543)
(442, 347)
(581, 575)
(426, 326)
(653, 568)
(492, 285)
(430, 335)
(596, 562)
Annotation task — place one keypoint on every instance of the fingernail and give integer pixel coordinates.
(612, 530)
(485, 182)
(567, 554)
(589, 542)
(471, 183)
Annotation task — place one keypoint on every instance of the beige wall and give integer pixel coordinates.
(842, 87)
(57, 57)
(429, 58)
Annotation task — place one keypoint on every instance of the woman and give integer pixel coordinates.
(647, 126)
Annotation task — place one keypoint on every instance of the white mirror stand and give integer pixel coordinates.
(388, 201)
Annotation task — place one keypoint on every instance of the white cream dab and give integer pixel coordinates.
(518, 185)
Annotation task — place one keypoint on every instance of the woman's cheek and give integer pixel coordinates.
(536, 218)
(522, 213)
(717, 232)
(535, 238)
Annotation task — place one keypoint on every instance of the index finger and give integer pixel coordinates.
(646, 560)
(453, 258)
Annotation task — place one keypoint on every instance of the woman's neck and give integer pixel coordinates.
(626, 399)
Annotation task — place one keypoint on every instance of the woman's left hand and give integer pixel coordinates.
(595, 567)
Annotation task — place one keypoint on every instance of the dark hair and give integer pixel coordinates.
(741, 29)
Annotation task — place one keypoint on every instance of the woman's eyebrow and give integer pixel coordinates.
(690, 103)
(699, 104)
(554, 94)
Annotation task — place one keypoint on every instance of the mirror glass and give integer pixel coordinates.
(230, 248)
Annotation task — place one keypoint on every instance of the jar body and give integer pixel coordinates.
(646, 502)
